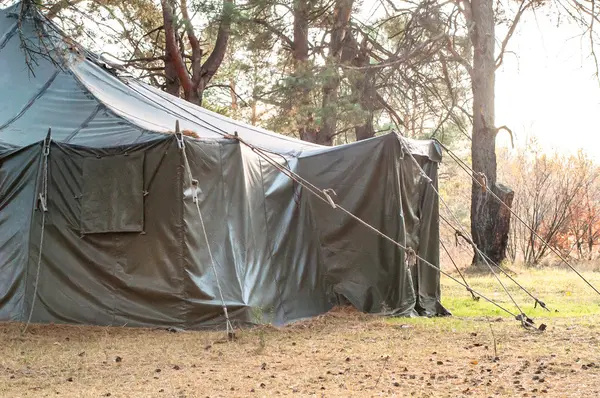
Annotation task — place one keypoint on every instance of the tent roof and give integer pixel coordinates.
(87, 104)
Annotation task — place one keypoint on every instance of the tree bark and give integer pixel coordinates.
(366, 130)
(177, 76)
(174, 64)
(489, 224)
(215, 59)
(302, 114)
(233, 95)
(363, 90)
(172, 85)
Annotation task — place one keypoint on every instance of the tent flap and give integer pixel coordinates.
(112, 196)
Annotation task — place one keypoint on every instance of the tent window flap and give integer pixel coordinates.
(113, 194)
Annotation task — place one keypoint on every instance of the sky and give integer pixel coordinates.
(549, 90)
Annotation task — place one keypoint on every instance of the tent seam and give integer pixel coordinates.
(39, 94)
(110, 108)
(180, 200)
(222, 182)
(85, 123)
(7, 36)
(399, 178)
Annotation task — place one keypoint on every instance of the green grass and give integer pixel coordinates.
(569, 298)
(565, 294)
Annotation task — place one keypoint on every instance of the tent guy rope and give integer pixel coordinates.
(498, 267)
(458, 270)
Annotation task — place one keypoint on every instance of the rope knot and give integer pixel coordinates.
(411, 257)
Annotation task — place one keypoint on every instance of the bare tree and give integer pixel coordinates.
(550, 199)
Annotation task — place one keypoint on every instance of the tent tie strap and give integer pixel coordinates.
(327, 192)
(179, 136)
(42, 204)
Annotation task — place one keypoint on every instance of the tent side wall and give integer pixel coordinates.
(203, 284)
(124, 244)
(374, 180)
(428, 279)
(266, 255)
(296, 262)
(18, 180)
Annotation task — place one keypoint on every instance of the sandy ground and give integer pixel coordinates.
(340, 354)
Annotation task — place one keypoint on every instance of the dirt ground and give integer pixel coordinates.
(342, 353)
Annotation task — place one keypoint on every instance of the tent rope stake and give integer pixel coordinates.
(194, 186)
(42, 206)
(471, 173)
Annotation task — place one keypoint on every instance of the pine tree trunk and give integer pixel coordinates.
(362, 85)
(341, 12)
(489, 225)
(172, 85)
(366, 130)
(301, 97)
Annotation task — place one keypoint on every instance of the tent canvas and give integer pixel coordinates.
(122, 241)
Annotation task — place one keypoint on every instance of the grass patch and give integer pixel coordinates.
(563, 292)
